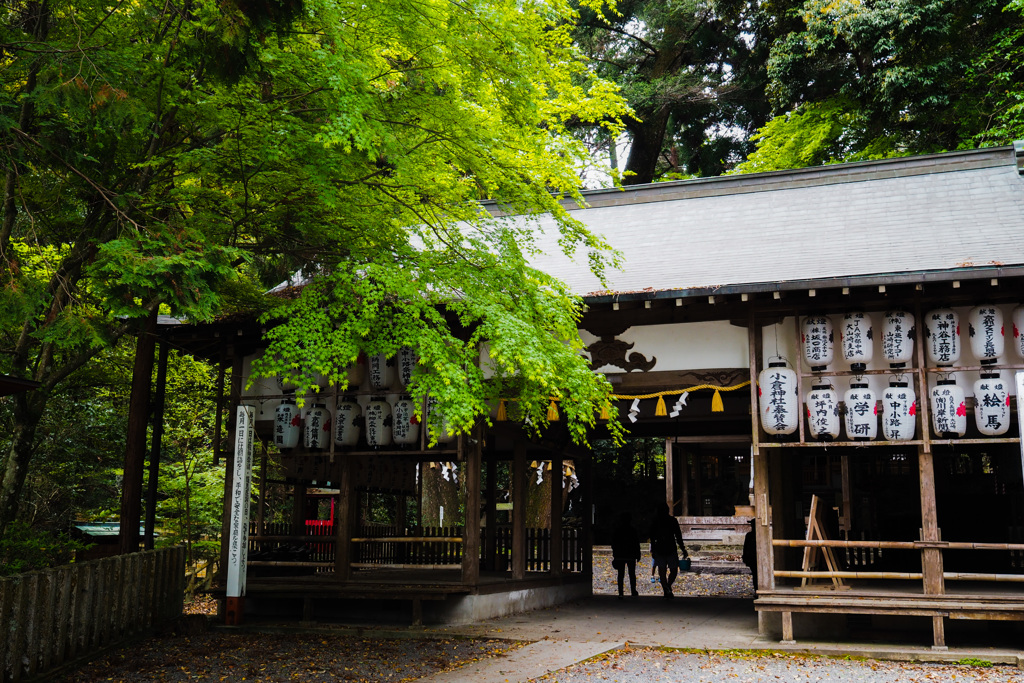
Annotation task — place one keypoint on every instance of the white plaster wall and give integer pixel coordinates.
(685, 346)
(471, 608)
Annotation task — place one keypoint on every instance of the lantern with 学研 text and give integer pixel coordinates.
(949, 409)
(942, 336)
(898, 338)
(406, 428)
(858, 340)
(985, 332)
(382, 371)
(318, 428)
(861, 412)
(817, 340)
(899, 412)
(823, 412)
(776, 387)
(378, 420)
(287, 425)
(346, 421)
(992, 404)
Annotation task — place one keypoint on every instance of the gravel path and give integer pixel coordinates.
(691, 584)
(629, 665)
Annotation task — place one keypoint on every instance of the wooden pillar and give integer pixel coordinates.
(491, 513)
(670, 485)
(344, 519)
(229, 453)
(135, 448)
(299, 510)
(762, 523)
(931, 558)
(471, 533)
(556, 514)
(585, 468)
(682, 456)
(154, 449)
(519, 485)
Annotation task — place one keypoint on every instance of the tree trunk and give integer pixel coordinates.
(26, 421)
(135, 448)
(648, 139)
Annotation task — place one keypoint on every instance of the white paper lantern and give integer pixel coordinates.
(442, 433)
(861, 412)
(346, 430)
(382, 371)
(356, 373)
(406, 428)
(286, 425)
(898, 338)
(823, 412)
(318, 427)
(942, 336)
(286, 386)
(949, 409)
(992, 404)
(407, 358)
(817, 342)
(1018, 330)
(858, 340)
(985, 331)
(899, 412)
(378, 422)
(776, 389)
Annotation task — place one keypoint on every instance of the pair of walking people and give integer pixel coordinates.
(665, 536)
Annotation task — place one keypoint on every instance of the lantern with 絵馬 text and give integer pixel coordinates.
(287, 425)
(992, 404)
(949, 409)
(405, 430)
(776, 387)
(857, 340)
(985, 332)
(407, 358)
(378, 421)
(861, 412)
(823, 412)
(382, 371)
(898, 338)
(817, 340)
(1017, 318)
(346, 421)
(899, 412)
(318, 428)
(942, 336)
(439, 429)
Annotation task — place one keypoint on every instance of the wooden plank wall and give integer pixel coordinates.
(56, 615)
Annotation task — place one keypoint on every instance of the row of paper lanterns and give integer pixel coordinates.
(385, 372)
(386, 424)
(780, 410)
(942, 337)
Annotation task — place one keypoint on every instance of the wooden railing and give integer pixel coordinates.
(53, 616)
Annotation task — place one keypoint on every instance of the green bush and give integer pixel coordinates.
(23, 549)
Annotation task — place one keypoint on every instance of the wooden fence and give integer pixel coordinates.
(54, 616)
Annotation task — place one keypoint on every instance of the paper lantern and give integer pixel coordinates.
(942, 336)
(776, 389)
(898, 338)
(382, 371)
(406, 427)
(823, 412)
(817, 342)
(1018, 330)
(861, 412)
(858, 340)
(285, 385)
(346, 421)
(899, 412)
(440, 433)
(985, 331)
(407, 358)
(949, 409)
(992, 404)
(378, 421)
(286, 425)
(318, 427)
(356, 373)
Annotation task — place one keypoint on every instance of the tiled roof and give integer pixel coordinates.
(919, 214)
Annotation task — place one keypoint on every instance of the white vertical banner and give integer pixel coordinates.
(241, 488)
(1020, 414)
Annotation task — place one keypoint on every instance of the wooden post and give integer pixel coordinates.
(154, 451)
(135, 448)
(765, 579)
(519, 509)
(931, 558)
(471, 529)
(491, 512)
(299, 509)
(556, 514)
(261, 505)
(682, 457)
(670, 485)
(229, 455)
(344, 515)
(585, 469)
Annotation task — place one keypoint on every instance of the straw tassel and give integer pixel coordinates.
(552, 412)
(502, 411)
(604, 412)
(659, 410)
(716, 403)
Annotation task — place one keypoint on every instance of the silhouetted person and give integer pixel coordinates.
(626, 551)
(750, 551)
(665, 535)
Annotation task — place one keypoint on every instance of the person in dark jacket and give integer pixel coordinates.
(626, 551)
(665, 535)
